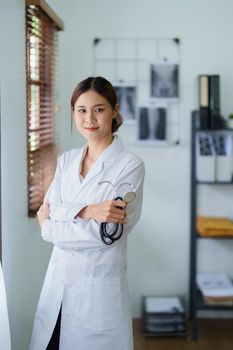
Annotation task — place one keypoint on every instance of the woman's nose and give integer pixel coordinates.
(90, 116)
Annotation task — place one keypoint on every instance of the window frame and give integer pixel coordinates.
(42, 25)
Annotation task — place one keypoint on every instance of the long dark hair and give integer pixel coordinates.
(104, 88)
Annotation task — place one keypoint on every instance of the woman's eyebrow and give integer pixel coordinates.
(100, 104)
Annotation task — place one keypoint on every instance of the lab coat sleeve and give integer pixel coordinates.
(85, 234)
(59, 210)
(133, 209)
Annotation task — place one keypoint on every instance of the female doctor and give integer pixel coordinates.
(84, 301)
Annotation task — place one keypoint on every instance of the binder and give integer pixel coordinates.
(214, 94)
(204, 91)
(214, 102)
(204, 108)
(209, 102)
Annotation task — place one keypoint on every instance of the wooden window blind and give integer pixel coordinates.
(42, 26)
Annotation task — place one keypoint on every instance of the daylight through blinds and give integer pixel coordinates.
(41, 45)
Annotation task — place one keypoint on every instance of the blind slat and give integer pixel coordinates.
(41, 48)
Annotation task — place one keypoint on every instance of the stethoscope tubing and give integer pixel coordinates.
(109, 237)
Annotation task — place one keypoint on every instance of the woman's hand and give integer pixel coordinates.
(105, 212)
(43, 213)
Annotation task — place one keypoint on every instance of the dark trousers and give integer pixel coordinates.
(54, 341)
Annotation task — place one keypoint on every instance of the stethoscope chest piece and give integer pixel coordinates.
(129, 197)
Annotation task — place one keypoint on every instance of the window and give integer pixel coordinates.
(42, 26)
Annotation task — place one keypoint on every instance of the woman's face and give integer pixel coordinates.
(93, 116)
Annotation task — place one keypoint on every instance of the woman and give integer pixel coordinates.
(86, 281)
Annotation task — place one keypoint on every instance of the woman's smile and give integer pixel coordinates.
(92, 129)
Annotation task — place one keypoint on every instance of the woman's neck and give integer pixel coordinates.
(95, 148)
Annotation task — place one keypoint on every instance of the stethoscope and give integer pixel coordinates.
(109, 236)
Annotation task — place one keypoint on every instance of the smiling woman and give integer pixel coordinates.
(105, 92)
(84, 302)
(95, 119)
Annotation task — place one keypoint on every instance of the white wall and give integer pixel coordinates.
(25, 255)
(159, 246)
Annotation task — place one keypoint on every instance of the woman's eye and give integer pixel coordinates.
(81, 110)
(99, 110)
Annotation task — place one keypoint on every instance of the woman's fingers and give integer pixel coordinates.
(117, 211)
(119, 203)
(117, 214)
(110, 211)
(117, 217)
(46, 208)
(117, 221)
(43, 212)
(113, 210)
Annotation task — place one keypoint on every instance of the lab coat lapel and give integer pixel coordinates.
(108, 155)
(94, 171)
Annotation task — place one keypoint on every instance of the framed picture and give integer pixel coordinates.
(152, 123)
(164, 81)
(126, 96)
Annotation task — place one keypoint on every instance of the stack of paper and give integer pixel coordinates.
(160, 304)
(215, 287)
(163, 316)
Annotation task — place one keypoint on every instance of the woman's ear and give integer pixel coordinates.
(116, 110)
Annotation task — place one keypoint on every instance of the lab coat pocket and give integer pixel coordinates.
(101, 303)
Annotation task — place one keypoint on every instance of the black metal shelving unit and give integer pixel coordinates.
(196, 302)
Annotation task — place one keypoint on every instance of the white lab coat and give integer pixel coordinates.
(84, 275)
